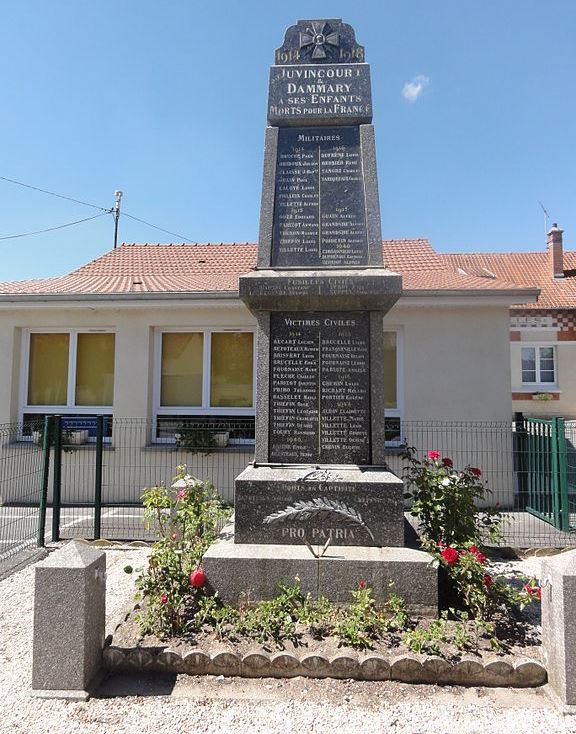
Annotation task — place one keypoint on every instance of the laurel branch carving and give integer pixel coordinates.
(321, 509)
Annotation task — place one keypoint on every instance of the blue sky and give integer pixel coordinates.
(167, 101)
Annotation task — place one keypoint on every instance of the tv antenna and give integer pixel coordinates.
(546, 217)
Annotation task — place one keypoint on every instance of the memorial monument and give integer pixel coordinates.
(318, 502)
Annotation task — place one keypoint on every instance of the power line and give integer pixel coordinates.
(103, 209)
(51, 193)
(175, 234)
(51, 229)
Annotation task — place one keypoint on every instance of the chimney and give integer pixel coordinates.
(555, 251)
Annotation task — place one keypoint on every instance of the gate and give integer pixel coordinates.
(542, 469)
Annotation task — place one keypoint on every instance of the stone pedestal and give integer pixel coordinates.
(69, 619)
(253, 571)
(559, 625)
(294, 505)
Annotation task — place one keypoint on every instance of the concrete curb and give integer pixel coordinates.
(509, 672)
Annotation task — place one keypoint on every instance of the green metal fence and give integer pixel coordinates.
(20, 476)
(543, 470)
(54, 487)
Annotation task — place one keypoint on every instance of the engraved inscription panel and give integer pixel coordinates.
(310, 95)
(319, 206)
(319, 388)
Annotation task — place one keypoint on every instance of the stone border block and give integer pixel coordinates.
(523, 673)
(344, 666)
(197, 663)
(528, 674)
(375, 667)
(497, 673)
(315, 666)
(406, 668)
(225, 663)
(285, 665)
(256, 665)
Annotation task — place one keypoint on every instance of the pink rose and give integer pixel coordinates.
(181, 494)
(433, 455)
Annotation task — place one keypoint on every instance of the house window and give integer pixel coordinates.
(207, 370)
(204, 375)
(538, 365)
(181, 370)
(392, 387)
(69, 370)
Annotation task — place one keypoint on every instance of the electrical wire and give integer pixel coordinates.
(84, 203)
(51, 193)
(175, 234)
(51, 229)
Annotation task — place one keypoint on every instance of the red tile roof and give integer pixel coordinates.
(524, 268)
(148, 268)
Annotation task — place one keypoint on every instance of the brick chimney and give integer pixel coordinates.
(555, 251)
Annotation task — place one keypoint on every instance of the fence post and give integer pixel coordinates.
(563, 509)
(45, 478)
(520, 458)
(57, 477)
(98, 477)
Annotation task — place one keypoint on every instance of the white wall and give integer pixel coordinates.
(456, 367)
(456, 362)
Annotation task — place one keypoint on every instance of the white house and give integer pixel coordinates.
(158, 333)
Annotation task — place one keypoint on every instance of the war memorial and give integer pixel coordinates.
(318, 501)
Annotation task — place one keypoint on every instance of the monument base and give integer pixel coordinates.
(253, 571)
(292, 505)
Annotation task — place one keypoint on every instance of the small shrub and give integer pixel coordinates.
(445, 500)
(453, 528)
(186, 523)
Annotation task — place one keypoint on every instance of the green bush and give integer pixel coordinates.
(186, 522)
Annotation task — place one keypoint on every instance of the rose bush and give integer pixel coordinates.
(186, 522)
(452, 529)
(445, 500)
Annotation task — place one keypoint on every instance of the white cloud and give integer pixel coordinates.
(412, 90)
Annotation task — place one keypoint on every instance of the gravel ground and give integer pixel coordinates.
(182, 704)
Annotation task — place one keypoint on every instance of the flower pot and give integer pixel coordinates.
(221, 439)
(76, 438)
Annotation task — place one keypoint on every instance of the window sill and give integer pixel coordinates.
(66, 448)
(230, 449)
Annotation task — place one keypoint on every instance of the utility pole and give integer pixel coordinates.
(116, 212)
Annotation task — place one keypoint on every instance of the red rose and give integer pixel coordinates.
(488, 580)
(362, 584)
(539, 593)
(474, 470)
(440, 544)
(450, 555)
(447, 462)
(529, 589)
(480, 557)
(473, 549)
(197, 578)
(433, 455)
(164, 598)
